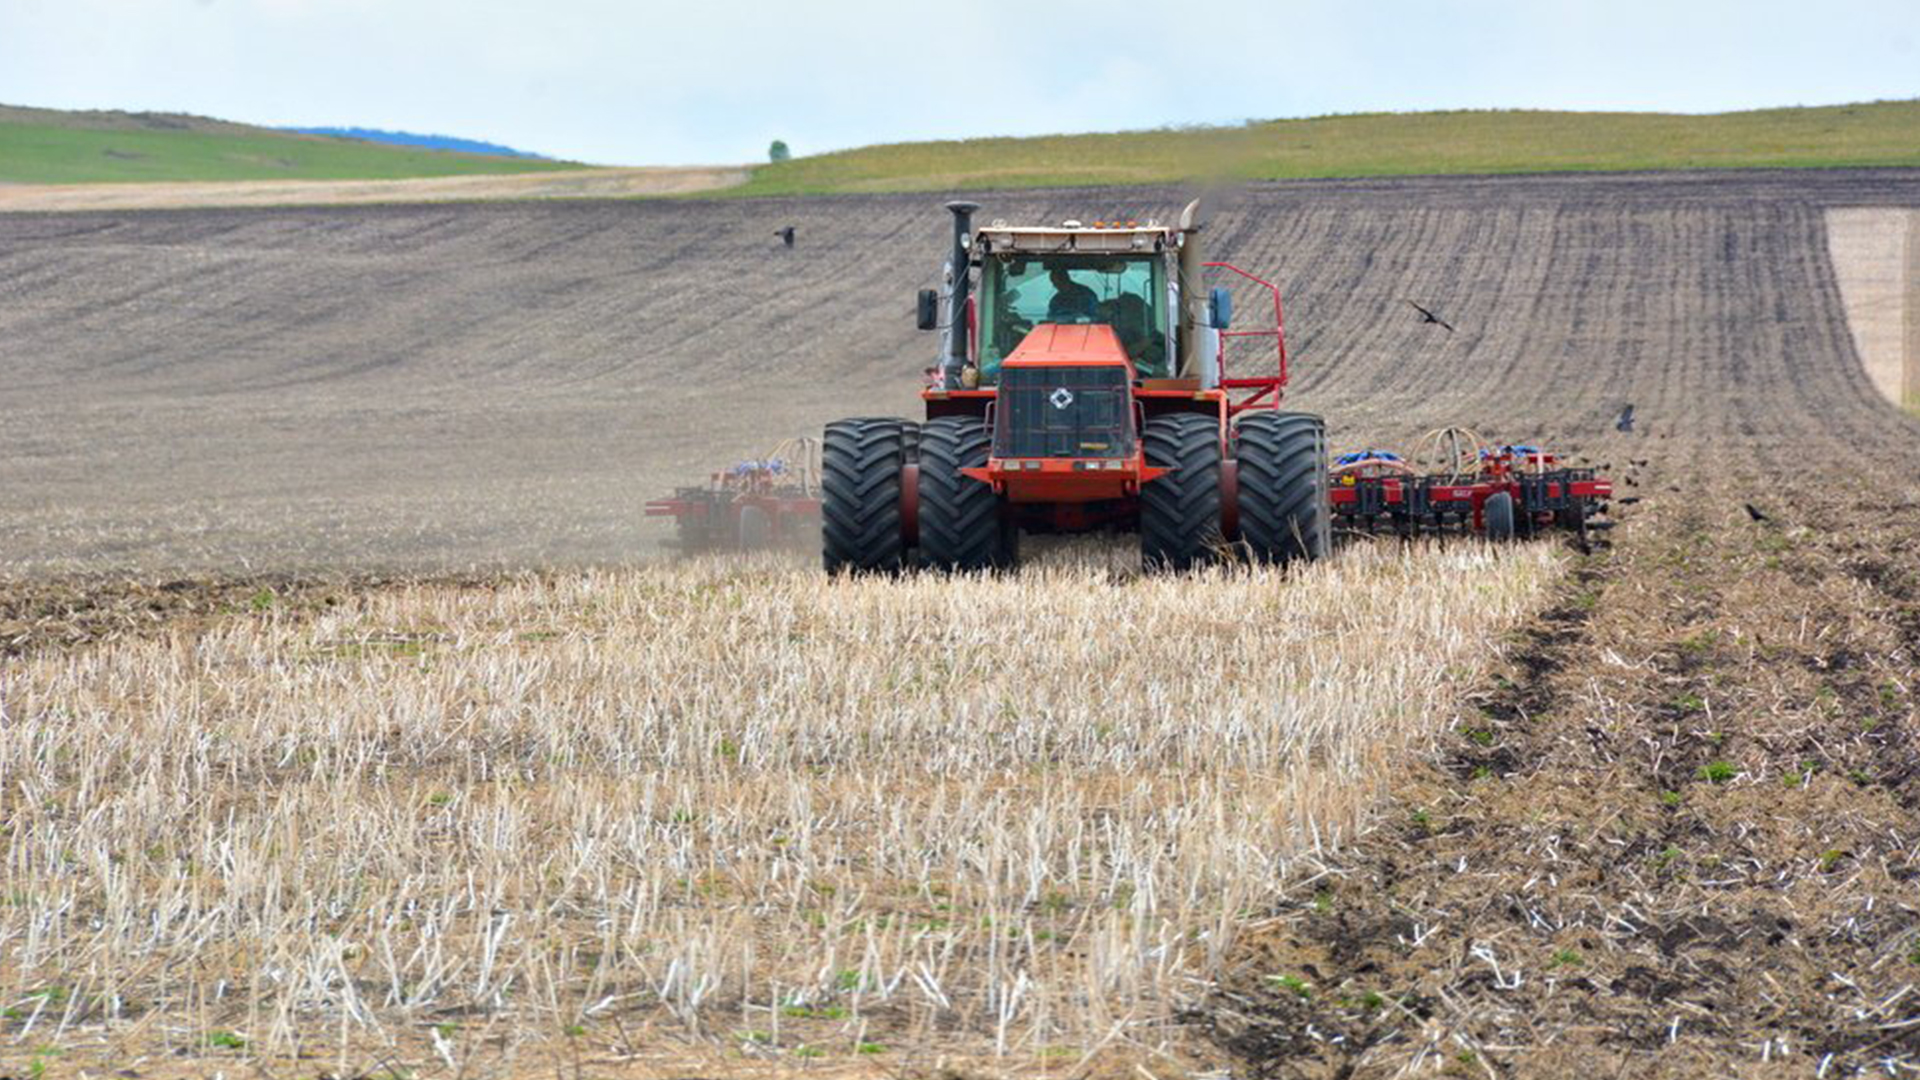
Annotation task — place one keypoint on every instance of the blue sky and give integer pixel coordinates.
(714, 81)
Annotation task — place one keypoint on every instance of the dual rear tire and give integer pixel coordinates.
(861, 462)
(1280, 468)
(962, 525)
(1180, 511)
(1285, 513)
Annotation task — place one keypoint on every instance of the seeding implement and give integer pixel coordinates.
(764, 502)
(1457, 480)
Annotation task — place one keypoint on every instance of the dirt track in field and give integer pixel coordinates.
(432, 387)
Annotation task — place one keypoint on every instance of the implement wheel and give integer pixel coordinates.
(960, 520)
(1284, 505)
(1180, 512)
(690, 536)
(756, 528)
(860, 463)
(1497, 511)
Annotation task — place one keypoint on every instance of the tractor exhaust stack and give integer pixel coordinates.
(956, 358)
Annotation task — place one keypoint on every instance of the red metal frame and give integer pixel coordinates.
(1502, 471)
(1266, 391)
(718, 507)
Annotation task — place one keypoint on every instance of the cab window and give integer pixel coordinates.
(1018, 293)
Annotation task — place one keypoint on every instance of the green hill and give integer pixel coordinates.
(45, 146)
(1376, 144)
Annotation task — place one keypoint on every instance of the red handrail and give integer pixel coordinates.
(1266, 390)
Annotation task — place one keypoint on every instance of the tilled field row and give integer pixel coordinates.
(436, 387)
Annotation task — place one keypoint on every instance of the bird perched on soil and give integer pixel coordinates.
(785, 234)
(1625, 422)
(1754, 513)
(1429, 317)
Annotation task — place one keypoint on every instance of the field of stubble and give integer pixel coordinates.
(624, 819)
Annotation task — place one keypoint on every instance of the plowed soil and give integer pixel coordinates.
(1676, 838)
(433, 387)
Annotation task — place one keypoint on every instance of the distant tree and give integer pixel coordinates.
(778, 152)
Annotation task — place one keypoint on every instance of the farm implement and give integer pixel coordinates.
(758, 503)
(1458, 481)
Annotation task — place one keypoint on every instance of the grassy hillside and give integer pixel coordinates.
(1379, 144)
(47, 147)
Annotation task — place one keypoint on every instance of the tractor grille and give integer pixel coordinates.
(1082, 412)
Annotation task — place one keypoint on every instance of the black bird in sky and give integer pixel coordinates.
(1754, 513)
(1625, 423)
(785, 234)
(1429, 317)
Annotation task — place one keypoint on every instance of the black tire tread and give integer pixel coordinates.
(1284, 509)
(861, 461)
(960, 527)
(1180, 512)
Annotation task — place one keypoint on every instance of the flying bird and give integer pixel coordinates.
(1754, 513)
(1625, 423)
(1429, 317)
(785, 234)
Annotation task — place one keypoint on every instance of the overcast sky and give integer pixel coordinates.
(713, 81)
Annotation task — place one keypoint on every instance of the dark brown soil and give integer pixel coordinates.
(67, 612)
(1679, 837)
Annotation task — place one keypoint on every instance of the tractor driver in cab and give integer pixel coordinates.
(1072, 301)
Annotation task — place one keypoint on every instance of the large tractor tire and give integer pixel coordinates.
(960, 520)
(860, 462)
(1180, 511)
(1285, 512)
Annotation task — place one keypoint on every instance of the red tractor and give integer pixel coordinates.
(1081, 386)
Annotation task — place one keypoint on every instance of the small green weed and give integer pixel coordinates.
(1293, 983)
(1718, 772)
